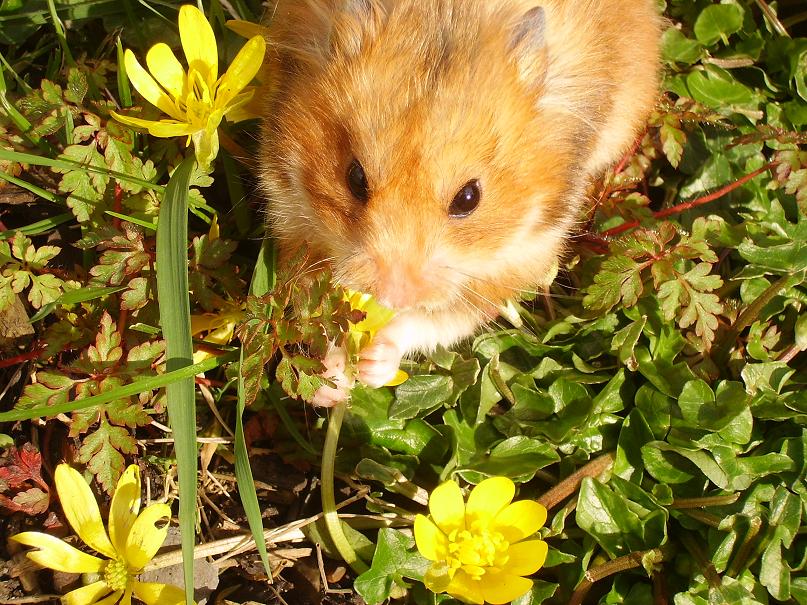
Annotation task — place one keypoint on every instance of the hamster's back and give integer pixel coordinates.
(601, 56)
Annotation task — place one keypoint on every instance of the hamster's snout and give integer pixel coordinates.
(402, 283)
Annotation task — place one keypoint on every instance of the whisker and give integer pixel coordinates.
(534, 293)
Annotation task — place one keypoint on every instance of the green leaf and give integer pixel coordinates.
(718, 89)
(45, 289)
(393, 560)
(539, 593)
(789, 257)
(101, 452)
(677, 48)
(718, 22)
(619, 280)
(635, 432)
(703, 410)
(672, 138)
(420, 394)
(172, 295)
(518, 458)
(77, 86)
(619, 525)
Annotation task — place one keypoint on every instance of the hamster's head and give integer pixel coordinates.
(408, 147)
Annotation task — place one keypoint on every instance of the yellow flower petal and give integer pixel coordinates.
(159, 594)
(431, 542)
(399, 378)
(520, 520)
(487, 499)
(81, 509)
(198, 42)
(147, 535)
(501, 587)
(57, 554)
(447, 507)
(239, 114)
(247, 29)
(124, 508)
(525, 558)
(239, 108)
(242, 70)
(86, 595)
(166, 69)
(466, 588)
(377, 316)
(147, 87)
(161, 128)
(116, 598)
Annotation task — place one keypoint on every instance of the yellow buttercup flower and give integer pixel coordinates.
(132, 542)
(218, 327)
(479, 551)
(361, 334)
(196, 100)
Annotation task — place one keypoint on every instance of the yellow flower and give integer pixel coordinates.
(479, 550)
(218, 327)
(133, 540)
(361, 334)
(196, 101)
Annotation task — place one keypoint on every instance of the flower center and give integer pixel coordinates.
(116, 575)
(473, 551)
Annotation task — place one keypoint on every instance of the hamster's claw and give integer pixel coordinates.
(335, 362)
(379, 363)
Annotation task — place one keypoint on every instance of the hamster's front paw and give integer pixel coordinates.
(379, 362)
(335, 363)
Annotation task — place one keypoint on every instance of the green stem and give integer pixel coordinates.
(706, 501)
(328, 498)
(61, 35)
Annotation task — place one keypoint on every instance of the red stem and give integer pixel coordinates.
(12, 361)
(117, 205)
(692, 203)
(631, 152)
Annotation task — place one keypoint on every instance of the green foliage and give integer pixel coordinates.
(671, 352)
(298, 320)
(24, 267)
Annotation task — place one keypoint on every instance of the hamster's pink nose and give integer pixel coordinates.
(400, 285)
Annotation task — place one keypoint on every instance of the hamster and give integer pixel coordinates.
(436, 152)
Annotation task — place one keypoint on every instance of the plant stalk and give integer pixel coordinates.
(328, 497)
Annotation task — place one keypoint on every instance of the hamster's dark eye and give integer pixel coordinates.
(466, 200)
(357, 181)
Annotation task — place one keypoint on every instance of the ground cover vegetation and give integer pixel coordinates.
(652, 399)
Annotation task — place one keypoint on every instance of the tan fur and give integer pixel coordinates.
(427, 95)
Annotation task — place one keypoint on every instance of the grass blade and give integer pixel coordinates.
(134, 388)
(175, 316)
(62, 164)
(72, 297)
(262, 281)
(133, 220)
(124, 90)
(39, 227)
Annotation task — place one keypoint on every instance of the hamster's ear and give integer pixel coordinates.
(528, 45)
(356, 21)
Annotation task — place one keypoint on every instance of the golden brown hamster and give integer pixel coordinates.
(436, 152)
